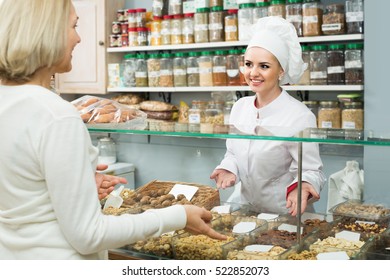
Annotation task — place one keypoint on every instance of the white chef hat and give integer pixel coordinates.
(280, 38)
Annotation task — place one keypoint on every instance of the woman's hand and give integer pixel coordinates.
(106, 183)
(198, 222)
(292, 198)
(223, 178)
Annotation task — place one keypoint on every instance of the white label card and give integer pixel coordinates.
(244, 227)
(333, 256)
(348, 235)
(307, 216)
(223, 209)
(267, 216)
(186, 190)
(289, 228)
(365, 222)
(258, 248)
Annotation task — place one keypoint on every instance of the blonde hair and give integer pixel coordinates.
(33, 35)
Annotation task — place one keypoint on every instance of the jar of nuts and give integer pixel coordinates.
(312, 17)
(329, 115)
(352, 115)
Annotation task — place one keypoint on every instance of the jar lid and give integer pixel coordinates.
(129, 56)
(336, 47)
(157, 18)
(154, 55)
(177, 16)
(232, 11)
(216, 8)
(294, 1)
(246, 5)
(221, 52)
(142, 55)
(199, 102)
(305, 48)
(243, 50)
(355, 46)
(206, 53)
(142, 29)
(310, 102)
(165, 55)
(319, 48)
(140, 10)
(106, 139)
(349, 96)
(167, 17)
(188, 15)
(179, 54)
(353, 104)
(233, 51)
(193, 54)
(132, 29)
(203, 10)
(329, 103)
(262, 4)
(131, 11)
(278, 2)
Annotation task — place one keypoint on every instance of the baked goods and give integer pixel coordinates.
(128, 98)
(158, 110)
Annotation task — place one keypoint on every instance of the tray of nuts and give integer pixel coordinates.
(156, 194)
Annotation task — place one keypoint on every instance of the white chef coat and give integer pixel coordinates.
(267, 168)
(49, 206)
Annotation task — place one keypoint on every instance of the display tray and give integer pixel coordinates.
(377, 248)
(362, 211)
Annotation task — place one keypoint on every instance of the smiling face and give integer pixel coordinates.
(262, 71)
(65, 65)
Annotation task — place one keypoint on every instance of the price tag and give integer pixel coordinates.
(258, 248)
(244, 227)
(267, 216)
(289, 228)
(348, 235)
(333, 256)
(187, 191)
(223, 209)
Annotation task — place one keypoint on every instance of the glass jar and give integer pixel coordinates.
(214, 3)
(125, 40)
(354, 61)
(354, 13)
(155, 28)
(231, 25)
(352, 115)
(201, 25)
(241, 61)
(166, 70)
(140, 17)
(226, 112)
(329, 115)
(213, 116)
(175, 7)
(205, 62)
(179, 70)
(305, 78)
(245, 20)
(132, 18)
(133, 37)
(277, 8)
(333, 20)
(142, 37)
(188, 28)
(335, 61)
(260, 11)
(192, 69)
(141, 71)
(121, 14)
(176, 30)
(107, 151)
(157, 8)
(312, 17)
(313, 106)
(216, 21)
(233, 68)
(219, 68)
(153, 63)
(166, 30)
(116, 27)
(318, 65)
(294, 15)
(128, 73)
(124, 27)
(196, 115)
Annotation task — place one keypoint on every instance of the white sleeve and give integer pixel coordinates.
(64, 152)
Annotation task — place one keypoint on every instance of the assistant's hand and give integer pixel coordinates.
(292, 198)
(105, 183)
(223, 178)
(198, 222)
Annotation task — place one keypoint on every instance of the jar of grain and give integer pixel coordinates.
(231, 26)
(294, 15)
(305, 78)
(153, 63)
(245, 21)
(140, 17)
(128, 72)
(352, 115)
(133, 37)
(132, 18)
(205, 62)
(176, 30)
(166, 70)
(196, 115)
(192, 69)
(179, 70)
(354, 13)
(155, 28)
(201, 25)
(312, 17)
(166, 30)
(277, 8)
(213, 116)
(260, 10)
(141, 70)
(175, 7)
(333, 20)
(318, 65)
(216, 22)
(329, 115)
(142, 37)
(354, 61)
(219, 68)
(188, 28)
(335, 61)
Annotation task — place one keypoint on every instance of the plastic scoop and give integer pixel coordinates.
(114, 200)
